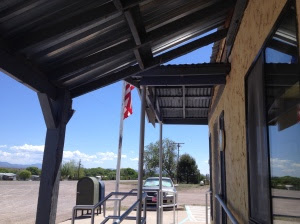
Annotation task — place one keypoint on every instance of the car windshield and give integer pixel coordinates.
(155, 182)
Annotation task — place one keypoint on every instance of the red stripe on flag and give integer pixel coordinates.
(127, 100)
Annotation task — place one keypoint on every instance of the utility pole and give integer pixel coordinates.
(178, 146)
(79, 168)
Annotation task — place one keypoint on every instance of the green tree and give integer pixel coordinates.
(128, 174)
(24, 174)
(151, 158)
(4, 170)
(188, 170)
(68, 169)
(34, 170)
(92, 172)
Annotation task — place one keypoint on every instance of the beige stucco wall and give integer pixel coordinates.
(259, 18)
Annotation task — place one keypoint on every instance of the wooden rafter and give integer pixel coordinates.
(18, 68)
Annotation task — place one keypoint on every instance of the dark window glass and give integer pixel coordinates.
(283, 106)
(273, 127)
(283, 109)
(259, 189)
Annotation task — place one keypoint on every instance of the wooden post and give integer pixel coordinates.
(56, 114)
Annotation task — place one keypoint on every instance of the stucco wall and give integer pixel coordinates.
(259, 18)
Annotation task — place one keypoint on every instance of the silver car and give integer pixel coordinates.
(151, 187)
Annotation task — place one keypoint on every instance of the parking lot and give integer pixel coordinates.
(18, 199)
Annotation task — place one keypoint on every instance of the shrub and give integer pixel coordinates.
(24, 174)
(34, 170)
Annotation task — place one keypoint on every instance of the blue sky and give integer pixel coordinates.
(92, 133)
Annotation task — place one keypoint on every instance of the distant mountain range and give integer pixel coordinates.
(19, 166)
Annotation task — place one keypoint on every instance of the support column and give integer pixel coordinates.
(160, 211)
(141, 155)
(56, 114)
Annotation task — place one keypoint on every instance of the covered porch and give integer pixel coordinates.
(65, 49)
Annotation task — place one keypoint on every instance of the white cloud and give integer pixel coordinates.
(296, 164)
(3, 146)
(76, 155)
(279, 163)
(288, 171)
(5, 154)
(21, 157)
(109, 156)
(29, 148)
(29, 154)
(134, 159)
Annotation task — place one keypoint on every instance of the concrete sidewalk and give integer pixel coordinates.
(189, 215)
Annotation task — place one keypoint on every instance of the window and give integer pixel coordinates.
(282, 91)
(273, 127)
(155, 182)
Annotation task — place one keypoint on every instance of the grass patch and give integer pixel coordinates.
(182, 187)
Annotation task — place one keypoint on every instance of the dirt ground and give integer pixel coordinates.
(18, 199)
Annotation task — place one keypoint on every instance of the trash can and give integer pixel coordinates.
(87, 191)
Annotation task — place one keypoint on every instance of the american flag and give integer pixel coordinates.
(127, 100)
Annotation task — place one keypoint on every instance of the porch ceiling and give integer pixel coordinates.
(83, 45)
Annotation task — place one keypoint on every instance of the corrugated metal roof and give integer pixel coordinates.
(61, 37)
(83, 45)
(194, 104)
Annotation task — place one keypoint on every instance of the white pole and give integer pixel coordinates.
(160, 219)
(116, 208)
(141, 155)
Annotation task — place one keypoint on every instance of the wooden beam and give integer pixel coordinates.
(283, 47)
(194, 69)
(18, 68)
(201, 80)
(48, 110)
(191, 121)
(238, 14)
(126, 4)
(151, 103)
(88, 87)
(143, 53)
(53, 153)
(135, 22)
(144, 56)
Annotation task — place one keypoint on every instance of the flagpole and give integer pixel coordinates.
(120, 147)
